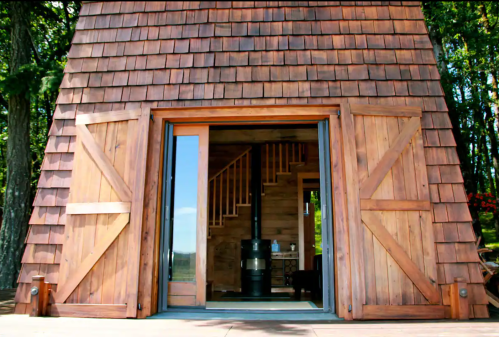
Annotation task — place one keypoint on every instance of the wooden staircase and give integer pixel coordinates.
(229, 189)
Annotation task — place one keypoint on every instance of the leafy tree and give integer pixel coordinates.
(41, 31)
(464, 36)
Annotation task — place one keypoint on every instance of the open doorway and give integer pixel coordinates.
(261, 182)
(285, 153)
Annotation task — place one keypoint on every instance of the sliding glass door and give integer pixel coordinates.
(182, 274)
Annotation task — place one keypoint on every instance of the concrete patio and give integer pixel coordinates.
(23, 325)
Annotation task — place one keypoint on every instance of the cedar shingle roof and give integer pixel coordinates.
(127, 55)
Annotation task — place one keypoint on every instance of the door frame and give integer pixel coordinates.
(183, 293)
(236, 115)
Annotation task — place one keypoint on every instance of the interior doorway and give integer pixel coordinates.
(217, 276)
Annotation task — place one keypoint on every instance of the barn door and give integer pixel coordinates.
(99, 272)
(391, 236)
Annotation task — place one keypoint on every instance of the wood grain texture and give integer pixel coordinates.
(370, 185)
(65, 289)
(137, 212)
(459, 306)
(149, 265)
(182, 289)
(88, 310)
(340, 215)
(182, 301)
(98, 208)
(397, 253)
(106, 117)
(353, 206)
(103, 162)
(404, 312)
(202, 216)
(394, 205)
(385, 110)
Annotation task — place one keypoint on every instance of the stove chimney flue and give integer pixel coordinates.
(256, 192)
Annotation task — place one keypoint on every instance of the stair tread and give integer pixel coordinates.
(270, 184)
(297, 163)
(243, 205)
(230, 215)
(283, 173)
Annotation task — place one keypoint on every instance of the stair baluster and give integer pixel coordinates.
(230, 187)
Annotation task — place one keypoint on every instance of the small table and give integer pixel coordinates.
(283, 266)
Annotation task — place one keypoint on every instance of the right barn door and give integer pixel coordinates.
(388, 196)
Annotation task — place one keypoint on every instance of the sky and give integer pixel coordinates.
(185, 198)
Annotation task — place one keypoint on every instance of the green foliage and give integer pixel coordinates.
(315, 199)
(468, 33)
(51, 29)
(488, 229)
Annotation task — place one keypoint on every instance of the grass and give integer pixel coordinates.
(489, 232)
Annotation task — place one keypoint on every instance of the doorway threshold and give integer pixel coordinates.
(241, 315)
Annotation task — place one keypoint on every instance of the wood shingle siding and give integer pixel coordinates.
(132, 55)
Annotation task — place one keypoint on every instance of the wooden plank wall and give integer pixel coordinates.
(106, 283)
(386, 283)
(129, 55)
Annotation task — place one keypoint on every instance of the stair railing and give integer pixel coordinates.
(277, 159)
(230, 187)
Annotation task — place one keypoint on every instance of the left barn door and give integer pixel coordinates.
(99, 272)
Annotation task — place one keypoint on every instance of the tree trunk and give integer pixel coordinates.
(17, 194)
(492, 64)
(461, 145)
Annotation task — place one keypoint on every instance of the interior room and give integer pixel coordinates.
(264, 240)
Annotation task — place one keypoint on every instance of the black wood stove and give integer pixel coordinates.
(256, 259)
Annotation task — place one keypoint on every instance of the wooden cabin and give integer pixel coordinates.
(144, 195)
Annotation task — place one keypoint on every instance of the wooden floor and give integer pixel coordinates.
(22, 325)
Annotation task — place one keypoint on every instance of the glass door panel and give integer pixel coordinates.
(184, 223)
(185, 185)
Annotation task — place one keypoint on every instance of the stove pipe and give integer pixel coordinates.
(256, 192)
(256, 258)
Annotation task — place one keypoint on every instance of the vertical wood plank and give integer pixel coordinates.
(273, 163)
(241, 180)
(287, 158)
(123, 144)
(459, 306)
(202, 220)
(234, 189)
(369, 263)
(280, 157)
(99, 270)
(94, 184)
(379, 253)
(267, 170)
(386, 191)
(428, 240)
(341, 251)
(137, 211)
(247, 178)
(107, 194)
(148, 287)
(414, 228)
(221, 195)
(353, 205)
(228, 192)
(214, 200)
